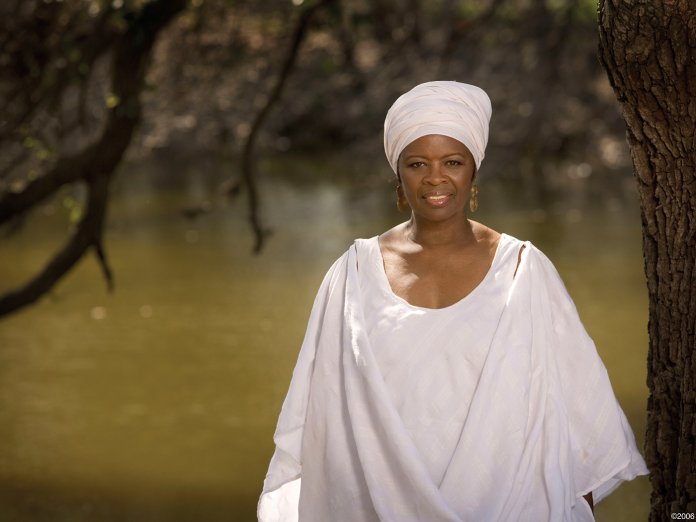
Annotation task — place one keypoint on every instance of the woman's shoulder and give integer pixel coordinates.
(391, 237)
(495, 239)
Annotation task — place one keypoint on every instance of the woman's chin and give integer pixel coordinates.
(445, 213)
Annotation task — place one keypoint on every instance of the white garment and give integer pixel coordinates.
(358, 439)
(411, 344)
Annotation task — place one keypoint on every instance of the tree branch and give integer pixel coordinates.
(88, 229)
(248, 164)
(39, 93)
(97, 163)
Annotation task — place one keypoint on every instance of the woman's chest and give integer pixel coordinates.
(430, 282)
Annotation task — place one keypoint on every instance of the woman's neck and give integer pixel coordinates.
(452, 232)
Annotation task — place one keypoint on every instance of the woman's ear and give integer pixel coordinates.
(401, 201)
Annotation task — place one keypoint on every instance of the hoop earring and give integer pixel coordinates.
(473, 201)
(401, 202)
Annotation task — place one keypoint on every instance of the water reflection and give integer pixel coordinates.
(158, 402)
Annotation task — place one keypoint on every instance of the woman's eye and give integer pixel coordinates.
(416, 164)
(453, 163)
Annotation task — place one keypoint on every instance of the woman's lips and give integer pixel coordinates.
(437, 199)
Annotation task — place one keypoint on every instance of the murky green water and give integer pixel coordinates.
(158, 402)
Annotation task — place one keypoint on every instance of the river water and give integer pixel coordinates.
(158, 402)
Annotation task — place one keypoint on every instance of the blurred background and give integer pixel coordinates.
(209, 160)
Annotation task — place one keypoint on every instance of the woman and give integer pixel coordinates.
(445, 374)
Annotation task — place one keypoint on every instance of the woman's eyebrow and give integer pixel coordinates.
(448, 155)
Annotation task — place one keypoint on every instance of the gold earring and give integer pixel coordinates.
(401, 202)
(473, 201)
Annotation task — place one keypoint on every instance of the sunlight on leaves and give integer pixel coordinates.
(112, 101)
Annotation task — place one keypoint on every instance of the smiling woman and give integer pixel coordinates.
(435, 176)
(445, 374)
(437, 169)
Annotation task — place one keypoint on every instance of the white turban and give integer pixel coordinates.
(458, 110)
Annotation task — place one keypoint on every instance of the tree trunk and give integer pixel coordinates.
(649, 51)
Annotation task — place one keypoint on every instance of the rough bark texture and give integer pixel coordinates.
(649, 51)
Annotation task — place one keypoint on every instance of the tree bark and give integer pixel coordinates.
(649, 51)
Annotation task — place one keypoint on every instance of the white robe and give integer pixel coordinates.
(543, 428)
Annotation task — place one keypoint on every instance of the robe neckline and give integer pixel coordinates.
(385, 285)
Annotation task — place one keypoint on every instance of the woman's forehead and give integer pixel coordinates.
(435, 144)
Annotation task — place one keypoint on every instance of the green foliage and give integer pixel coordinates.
(37, 148)
(112, 101)
(73, 207)
(329, 65)
(581, 10)
(511, 11)
(470, 8)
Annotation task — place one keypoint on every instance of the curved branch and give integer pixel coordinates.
(67, 169)
(84, 236)
(248, 165)
(131, 54)
(97, 163)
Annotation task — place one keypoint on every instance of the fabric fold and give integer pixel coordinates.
(400, 485)
(543, 427)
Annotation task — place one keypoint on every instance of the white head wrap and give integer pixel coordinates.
(458, 110)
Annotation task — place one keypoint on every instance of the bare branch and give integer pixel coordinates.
(39, 93)
(96, 164)
(248, 165)
(82, 238)
(103, 261)
(132, 52)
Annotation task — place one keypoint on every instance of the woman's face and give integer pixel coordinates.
(436, 174)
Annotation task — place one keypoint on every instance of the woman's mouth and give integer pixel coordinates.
(437, 199)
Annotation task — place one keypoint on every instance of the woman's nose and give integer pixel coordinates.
(434, 174)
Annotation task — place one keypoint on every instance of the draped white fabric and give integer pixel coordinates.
(431, 359)
(543, 426)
